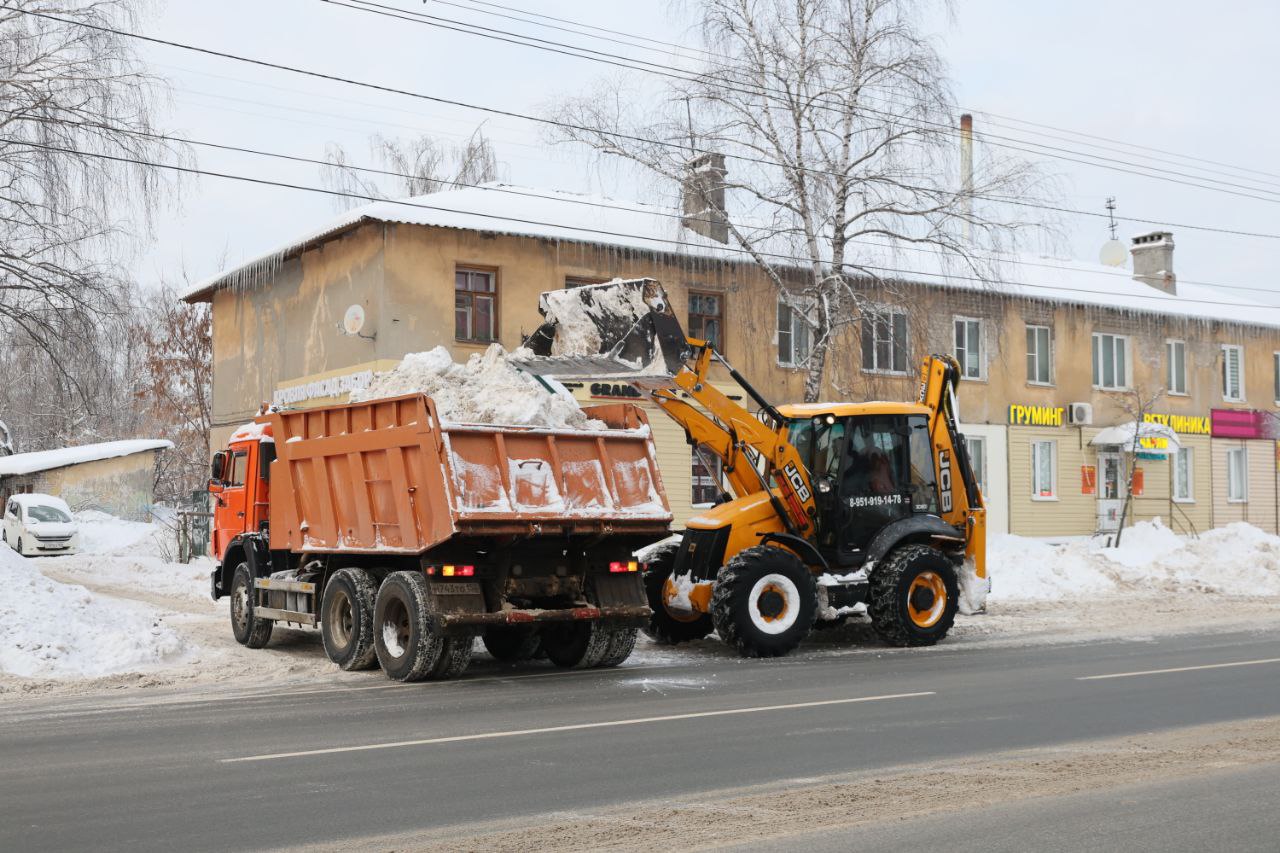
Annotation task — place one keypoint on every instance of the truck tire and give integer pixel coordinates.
(248, 629)
(666, 627)
(512, 644)
(346, 619)
(764, 602)
(622, 642)
(914, 596)
(455, 657)
(406, 646)
(580, 645)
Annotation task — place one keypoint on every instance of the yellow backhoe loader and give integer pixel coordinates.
(831, 509)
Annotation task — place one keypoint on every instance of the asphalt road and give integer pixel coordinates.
(361, 756)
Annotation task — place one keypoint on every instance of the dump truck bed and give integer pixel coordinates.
(389, 476)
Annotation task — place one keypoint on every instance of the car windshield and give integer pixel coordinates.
(35, 512)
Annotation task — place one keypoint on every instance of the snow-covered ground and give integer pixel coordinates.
(123, 614)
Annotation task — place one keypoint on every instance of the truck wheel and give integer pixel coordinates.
(406, 646)
(455, 657)
(914, 596)
(512, 644)
(581, 645)
(666, 626)
(346, 619)
(248, 629)
(622, 642)
(764, 602)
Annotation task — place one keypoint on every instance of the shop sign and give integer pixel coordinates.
(333, 386)
(1185, 424)
(1139, 483)
(1154, 442)
(1242, 423)
(1088, 479)
(1036, 415)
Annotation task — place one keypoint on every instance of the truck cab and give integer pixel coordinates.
(239, 478)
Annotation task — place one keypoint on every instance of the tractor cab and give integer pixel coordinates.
(871, 465)
(238, 483)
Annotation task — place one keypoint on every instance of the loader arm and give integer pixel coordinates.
(960, 498)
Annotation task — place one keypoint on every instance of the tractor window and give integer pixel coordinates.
(800, 434)
(924, 481)
(876, 466)
(818, 443)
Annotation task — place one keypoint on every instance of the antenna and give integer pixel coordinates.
(1113, 252)
(1111, 215)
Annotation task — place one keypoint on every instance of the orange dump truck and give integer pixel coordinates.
(403, 537)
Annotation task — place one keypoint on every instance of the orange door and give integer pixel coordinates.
(232, 504)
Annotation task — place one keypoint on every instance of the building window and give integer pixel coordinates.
(978, 459)
(1233, 373)
(794, 336)
(1237, 475)
(1044, 470)
(1275, 358)
(572, 281)
(1183, 491)
(969, 347)
(1110, 361)
(884, 340)
(1176, 352)
(475, 306)
(1039, 356)
(706, 318)
(707, 469)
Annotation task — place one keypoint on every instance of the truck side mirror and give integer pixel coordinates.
(219, 465)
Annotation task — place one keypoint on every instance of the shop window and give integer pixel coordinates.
(707, 472)
(969, 347)
(978, 460)
(706, 318)
(1176, 355)
(1183, 490)
(475, 305)
(1044, 470)
(1233, 373)
(1110, 361)
(1039, 356)
(1237, 475)
(794, 335)
(884, 340)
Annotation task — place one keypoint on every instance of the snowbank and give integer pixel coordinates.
(488, 389)
(1238, 559)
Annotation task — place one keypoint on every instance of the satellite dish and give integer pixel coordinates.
(1113, 253)
(353, 320)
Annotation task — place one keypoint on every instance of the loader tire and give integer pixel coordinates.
(764, 602)
(512, 644)
(455, 657)
(666, 627)
(914, 596)
(346, 619)
(248, 629)
(580, 645)
(622, 642)
(407, 647)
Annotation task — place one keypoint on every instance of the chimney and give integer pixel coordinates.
(966, 175)
(703, 197)
(1153, 260)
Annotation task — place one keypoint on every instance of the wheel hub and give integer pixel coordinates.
(771, 604)
(926, 599)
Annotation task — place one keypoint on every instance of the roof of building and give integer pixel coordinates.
(594, 219)
(46, 460)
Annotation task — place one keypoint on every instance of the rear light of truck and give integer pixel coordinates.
(453, 571)
(632, 566)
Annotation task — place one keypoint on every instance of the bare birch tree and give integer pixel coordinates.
(418, 166)
(838, 127)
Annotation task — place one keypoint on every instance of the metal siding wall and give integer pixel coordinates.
(1072, 514)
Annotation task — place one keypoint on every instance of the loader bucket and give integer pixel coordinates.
(620, 330)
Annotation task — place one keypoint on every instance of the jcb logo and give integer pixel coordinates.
(797, 481)
(944, 479)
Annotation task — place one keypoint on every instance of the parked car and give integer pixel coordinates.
(39, 524)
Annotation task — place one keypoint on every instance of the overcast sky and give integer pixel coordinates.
(1162, 75)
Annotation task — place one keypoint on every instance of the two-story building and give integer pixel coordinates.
(1053, 354)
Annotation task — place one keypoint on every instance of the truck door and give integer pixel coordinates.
(232, 503)
(876, 483)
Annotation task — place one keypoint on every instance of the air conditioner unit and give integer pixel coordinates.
(1080, 414)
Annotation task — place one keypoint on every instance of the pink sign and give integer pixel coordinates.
(1242, 423)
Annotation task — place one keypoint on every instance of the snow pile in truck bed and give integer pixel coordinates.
(488, 389)
(1238, 559)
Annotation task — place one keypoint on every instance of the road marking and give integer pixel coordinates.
(635, 721)
(1178, 669)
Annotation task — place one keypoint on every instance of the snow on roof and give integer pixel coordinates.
(595, 219)
(45, 460)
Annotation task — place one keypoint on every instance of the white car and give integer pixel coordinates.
(39, 524)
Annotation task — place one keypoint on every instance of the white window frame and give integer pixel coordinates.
(1048, 337)
(1275, 363)
(797, 308)
(1238, 351)
(1243, 454)
(1180, 346)
(975, 350)
(1122, 383)
(1191, 476)
(1036, 491)
(980, 469)
(888, 312)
